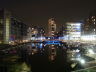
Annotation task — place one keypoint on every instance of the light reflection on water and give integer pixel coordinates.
(50, 50)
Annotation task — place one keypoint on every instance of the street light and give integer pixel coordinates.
(91, 51)
(82, 61)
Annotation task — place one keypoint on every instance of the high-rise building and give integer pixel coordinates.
(41, 31)
(62, 31)
(37, 33)
(18, 30)
(73, 30)
(90, 24)
(51, 27)
(5, 23)
(34, 33)
(11, 29)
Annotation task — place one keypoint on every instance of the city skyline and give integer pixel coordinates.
(47, 36)
(38, 12)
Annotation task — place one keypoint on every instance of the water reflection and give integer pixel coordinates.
(49, 50)
(51, 57)
(52, 52)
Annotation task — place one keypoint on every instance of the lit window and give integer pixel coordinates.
(92, 16)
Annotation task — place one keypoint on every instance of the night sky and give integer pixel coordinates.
(37, 12)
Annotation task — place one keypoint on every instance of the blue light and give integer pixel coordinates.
(33, 45)
(52, 42)
(41, 45)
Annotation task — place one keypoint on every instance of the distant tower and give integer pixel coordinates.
(51, 27)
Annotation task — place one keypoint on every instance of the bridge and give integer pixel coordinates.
(53, 42)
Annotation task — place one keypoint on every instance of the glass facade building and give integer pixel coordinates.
(73, 30)
(11, 29)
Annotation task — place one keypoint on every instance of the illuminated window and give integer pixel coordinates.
(92, 16)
